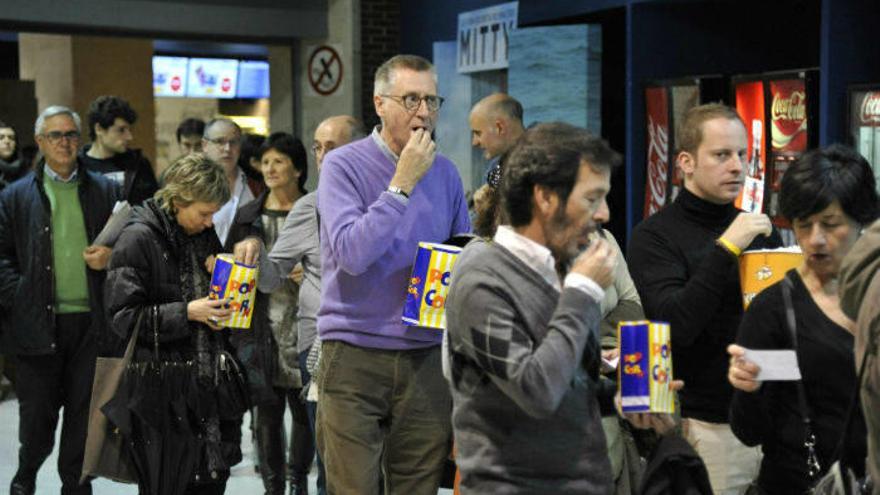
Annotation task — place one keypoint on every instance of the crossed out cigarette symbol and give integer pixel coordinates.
(321, 74)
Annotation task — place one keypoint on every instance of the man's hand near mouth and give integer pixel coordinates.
(415, 161)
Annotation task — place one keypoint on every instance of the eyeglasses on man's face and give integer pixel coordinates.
(412, 102)
(55, 137)
(321, 149)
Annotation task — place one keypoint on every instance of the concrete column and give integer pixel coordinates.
(343, 18)
(121, 67)
(47, 59)
(74, 70)
(282, 92)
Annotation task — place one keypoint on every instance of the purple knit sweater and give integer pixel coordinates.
(369, 239)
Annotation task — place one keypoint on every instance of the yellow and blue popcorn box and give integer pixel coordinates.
(425, 304)
(645, 369)
(237, 283)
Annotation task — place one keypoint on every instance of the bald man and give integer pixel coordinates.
(496, 125)
(334, 132)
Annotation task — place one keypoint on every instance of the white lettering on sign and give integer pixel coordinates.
(483, 35)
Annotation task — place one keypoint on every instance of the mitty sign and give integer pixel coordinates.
(483, 35)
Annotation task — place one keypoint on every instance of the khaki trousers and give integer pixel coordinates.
(732, 466)
(388, 410)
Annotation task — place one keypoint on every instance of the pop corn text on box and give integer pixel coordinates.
(428, 286)
(645, 369)
(237, 283)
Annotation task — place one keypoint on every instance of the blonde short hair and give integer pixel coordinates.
(190, 179)
(690, 133)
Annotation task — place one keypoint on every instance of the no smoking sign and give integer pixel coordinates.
(325, 70)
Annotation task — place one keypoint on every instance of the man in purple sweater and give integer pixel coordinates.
(383, 396)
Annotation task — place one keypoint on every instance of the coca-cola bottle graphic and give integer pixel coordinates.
(754, 169)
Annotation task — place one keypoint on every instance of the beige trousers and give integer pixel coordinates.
(731, 465)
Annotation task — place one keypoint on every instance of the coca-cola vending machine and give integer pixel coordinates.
(779, 111)
(665, 103)
(864, 123)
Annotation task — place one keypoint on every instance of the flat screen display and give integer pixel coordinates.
(169, 76)
(212, 78)
(253, 79)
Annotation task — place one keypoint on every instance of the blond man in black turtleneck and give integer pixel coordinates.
(684, 263)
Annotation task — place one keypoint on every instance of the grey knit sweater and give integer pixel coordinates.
(525, 414)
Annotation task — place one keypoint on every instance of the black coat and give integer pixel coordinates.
(139, 181)
(145, 271)
(27, 280)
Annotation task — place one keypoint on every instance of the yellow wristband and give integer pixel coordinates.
(730, 247)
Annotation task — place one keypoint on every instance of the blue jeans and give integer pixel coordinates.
(311, 409)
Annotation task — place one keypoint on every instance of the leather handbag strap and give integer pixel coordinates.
(154, 312)
(813, 466)
(790, 319)
(129, 349)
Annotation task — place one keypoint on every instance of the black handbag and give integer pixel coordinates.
(233, 397)
(839, 480)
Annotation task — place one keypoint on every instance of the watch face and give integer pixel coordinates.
(397, 190)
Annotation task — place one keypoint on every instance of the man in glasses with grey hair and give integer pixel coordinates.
(222, 144)
(383, 399)
(51, 280)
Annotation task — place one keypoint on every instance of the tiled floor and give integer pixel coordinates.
(244, 480)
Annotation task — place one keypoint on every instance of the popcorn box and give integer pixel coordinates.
(236, 282)
(425, 304)
(645, 370)
(762, 268)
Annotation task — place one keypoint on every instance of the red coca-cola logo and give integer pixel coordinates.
(658, 150)
(226, 84)
(870, 113)
(789, 111)
(175, 83)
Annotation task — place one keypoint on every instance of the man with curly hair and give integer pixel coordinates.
(110, 154)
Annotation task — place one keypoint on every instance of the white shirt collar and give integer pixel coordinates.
(535, 255)
(57, 178)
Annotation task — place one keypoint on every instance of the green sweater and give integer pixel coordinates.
(69, 240)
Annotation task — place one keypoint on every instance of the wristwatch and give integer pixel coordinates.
(397, 190)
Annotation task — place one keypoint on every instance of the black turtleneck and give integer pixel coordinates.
(11, 171)
(686, 279)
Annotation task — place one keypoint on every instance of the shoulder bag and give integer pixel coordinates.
(105, 453)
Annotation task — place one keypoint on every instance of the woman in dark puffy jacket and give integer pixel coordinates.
(181, 401)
